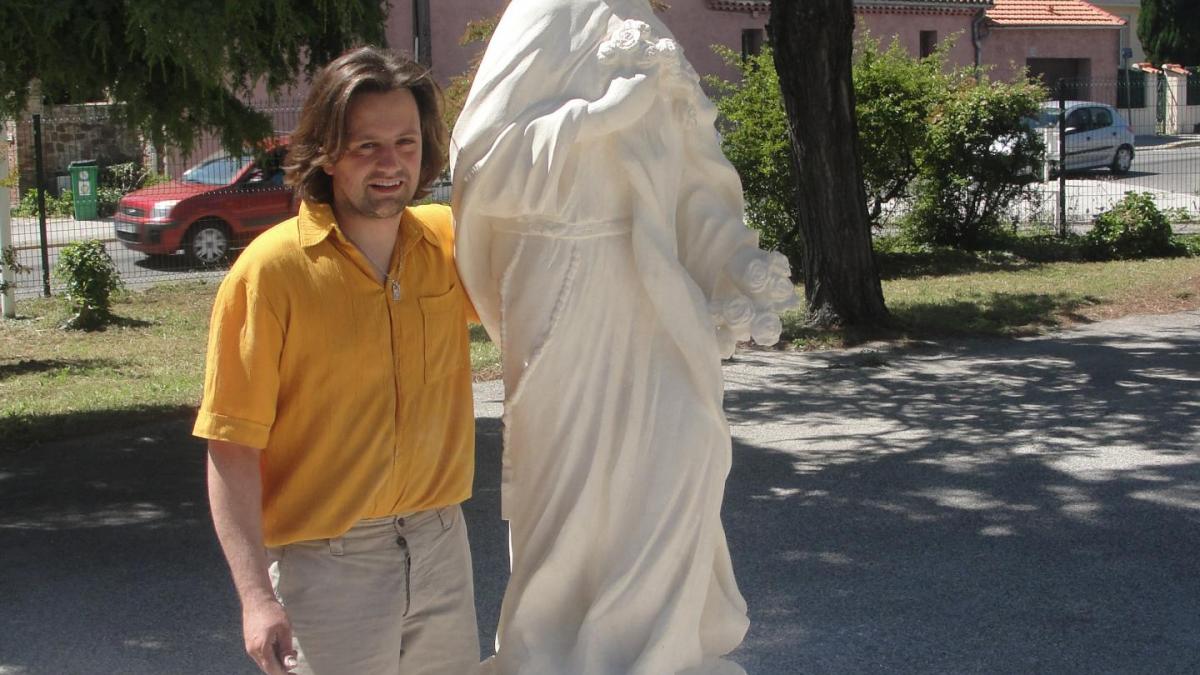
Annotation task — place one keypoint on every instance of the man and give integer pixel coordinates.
(337, 399)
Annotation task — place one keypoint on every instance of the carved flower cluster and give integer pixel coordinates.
(751, 312)
(633, 43)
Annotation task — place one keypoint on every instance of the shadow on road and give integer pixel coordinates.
(1037, 511)
(999, 506)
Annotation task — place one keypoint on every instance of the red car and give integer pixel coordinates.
(221, 203)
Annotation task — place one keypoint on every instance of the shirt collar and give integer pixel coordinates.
(317, 223)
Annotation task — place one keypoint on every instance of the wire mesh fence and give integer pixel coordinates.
(163, 213)
(176, 214)
(1107, 137)
(1104, 138)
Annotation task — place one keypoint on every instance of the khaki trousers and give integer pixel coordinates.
(393, 596)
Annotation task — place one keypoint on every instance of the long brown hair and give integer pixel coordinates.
(320, 136)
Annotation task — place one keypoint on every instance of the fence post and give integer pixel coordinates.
(44, 239)
(8, 299)
(1060, 216)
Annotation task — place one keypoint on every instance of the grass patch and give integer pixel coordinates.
(993, 299)
(147, 366)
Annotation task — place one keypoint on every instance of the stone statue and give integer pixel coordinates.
(600, 235)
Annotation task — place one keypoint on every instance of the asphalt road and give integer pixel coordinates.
(1174, 170)
(1171, 170)
(996, 506)
(137, 270)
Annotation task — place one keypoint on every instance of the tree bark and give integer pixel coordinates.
(813, 46)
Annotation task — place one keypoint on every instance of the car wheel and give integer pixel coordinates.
(208, 243)
(1122, 160)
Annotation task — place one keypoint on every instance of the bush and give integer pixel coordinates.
(107, 199)
(62, 205)
(8, 261)
(977, 160)
(126, 177)
(895, 96)
(755, 138)
(949, 144)
(1133, 228)
(91, 278)
(1187, 245)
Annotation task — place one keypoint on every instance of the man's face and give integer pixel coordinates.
(377, 174)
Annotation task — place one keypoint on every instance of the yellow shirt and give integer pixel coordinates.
(358, 392)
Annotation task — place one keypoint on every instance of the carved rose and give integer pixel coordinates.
(630, 35)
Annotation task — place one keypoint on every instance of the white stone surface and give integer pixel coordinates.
(601, 236)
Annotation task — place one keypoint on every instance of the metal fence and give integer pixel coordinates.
(1135, 132)
(174, 214)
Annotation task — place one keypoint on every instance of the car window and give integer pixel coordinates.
(1047, 119)
(269, 172)
(218, 170)
(1079, 119)
(1101, 118)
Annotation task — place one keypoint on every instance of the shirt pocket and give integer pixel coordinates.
(445, 326)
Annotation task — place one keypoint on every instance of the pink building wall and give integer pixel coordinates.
(886, 27)
(1010, 48)
(696, 27)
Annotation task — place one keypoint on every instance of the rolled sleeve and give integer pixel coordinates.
(241, 379)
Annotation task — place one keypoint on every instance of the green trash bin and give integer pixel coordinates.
(85, 178)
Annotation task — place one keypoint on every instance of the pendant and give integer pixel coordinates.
(395, 290)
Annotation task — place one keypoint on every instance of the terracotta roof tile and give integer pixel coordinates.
(922, 3)
(1050, 13)
(920, 6)
(906, 5)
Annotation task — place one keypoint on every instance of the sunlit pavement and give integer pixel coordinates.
(999, 506)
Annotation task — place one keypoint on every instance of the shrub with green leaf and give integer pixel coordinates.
(978, 159)
(1187, 245)
(895, 97)
(1133, 228)
(91, 278)
(62, 205)
(754, 136)
(8, 261)
(944, 147)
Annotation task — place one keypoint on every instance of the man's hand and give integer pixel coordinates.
(235, 495)
(268, 635)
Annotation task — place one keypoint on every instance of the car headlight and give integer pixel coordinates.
(163, 209)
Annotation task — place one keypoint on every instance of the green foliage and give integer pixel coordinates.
(1178, 214)
(180, 69)
(948, 143)
(1169, 31)
(755, 138)
(8, 260)
(1187, 244)
(978, 159)
(91, 278)
(895, 95)
(62, 205)
(126, 177)
(479, 31)
(1133, 228)
(116, 181)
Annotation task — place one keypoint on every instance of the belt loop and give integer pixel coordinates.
(444, 517)
(335, 546)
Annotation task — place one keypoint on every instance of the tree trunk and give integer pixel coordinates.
(813, 45)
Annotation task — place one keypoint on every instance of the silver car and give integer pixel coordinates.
(1096, 136)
